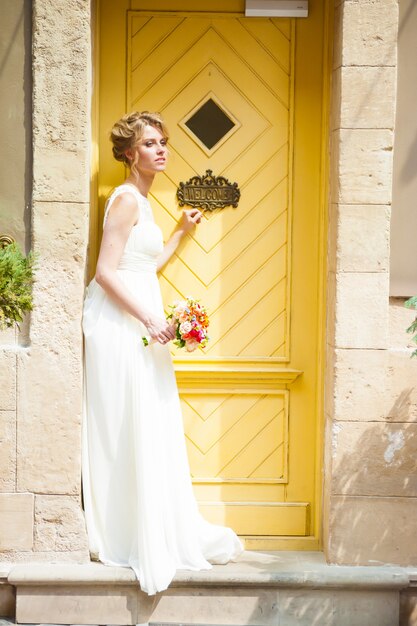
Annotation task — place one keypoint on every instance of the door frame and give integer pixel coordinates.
(103, 115)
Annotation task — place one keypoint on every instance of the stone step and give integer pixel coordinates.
(260, 589)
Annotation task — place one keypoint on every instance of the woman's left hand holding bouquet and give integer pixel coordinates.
(160, 330)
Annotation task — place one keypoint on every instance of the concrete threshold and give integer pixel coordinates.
(260, 588)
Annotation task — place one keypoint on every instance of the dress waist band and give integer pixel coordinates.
(137, 263)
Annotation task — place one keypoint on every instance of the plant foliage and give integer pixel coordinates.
(411, 303)
(16, 278)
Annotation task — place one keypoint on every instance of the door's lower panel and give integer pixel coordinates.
(266, 518)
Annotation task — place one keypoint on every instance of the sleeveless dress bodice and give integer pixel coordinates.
(145, 242)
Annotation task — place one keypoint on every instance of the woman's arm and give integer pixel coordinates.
(189, 218)
(120, 220)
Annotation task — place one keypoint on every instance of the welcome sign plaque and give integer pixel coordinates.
(208, 192)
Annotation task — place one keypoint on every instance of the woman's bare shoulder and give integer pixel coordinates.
(123, 208)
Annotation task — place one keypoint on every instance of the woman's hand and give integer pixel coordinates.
(160, 330)
(189, 218)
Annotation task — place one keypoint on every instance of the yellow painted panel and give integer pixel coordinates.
(164, 86)
(252, 314)
(274, 460)
(270, 273)
(272, 38)
(232, 491)
(283, 25)
(237, 437)
(262, 188)
(298, 544)
(261, 61)
(204, 406)
(148, 33)
(256, 159)
(206, 433)
(217, 6)
(255, 451)
(222, 298)
(158, 64)
(137, 22)
(260, 519)
(211, 80)
(267, 340)
(209, 265)
(230, 288)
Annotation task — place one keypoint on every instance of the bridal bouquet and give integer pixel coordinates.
(191, 323)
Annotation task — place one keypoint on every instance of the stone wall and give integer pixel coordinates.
(15, 119)
(370, 480)
(41, 384)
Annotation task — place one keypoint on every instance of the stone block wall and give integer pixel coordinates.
(41, 383)
(371, 406)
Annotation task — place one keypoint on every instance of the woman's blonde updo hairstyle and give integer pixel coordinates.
(128, 131)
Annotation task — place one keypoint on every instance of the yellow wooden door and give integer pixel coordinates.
(251, 401)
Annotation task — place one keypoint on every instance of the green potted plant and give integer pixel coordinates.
(16, 278)
(411, 303)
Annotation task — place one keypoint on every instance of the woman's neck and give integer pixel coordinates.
(143, 183)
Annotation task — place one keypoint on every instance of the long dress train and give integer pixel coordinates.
(139, 505)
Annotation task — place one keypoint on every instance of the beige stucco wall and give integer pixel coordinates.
(41, 383)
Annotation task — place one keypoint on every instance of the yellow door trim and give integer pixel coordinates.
(112, 20)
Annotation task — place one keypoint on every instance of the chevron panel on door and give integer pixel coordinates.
(237, 437)
(236, 262)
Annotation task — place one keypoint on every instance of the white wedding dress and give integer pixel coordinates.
(139, 505)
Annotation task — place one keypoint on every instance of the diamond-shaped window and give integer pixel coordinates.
(209, 123)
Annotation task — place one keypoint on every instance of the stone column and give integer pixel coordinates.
(366, 514)
(44, 503)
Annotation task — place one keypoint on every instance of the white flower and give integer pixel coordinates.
(185, 328)
(179, 307)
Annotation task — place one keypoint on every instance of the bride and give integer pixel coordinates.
(139, 505)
